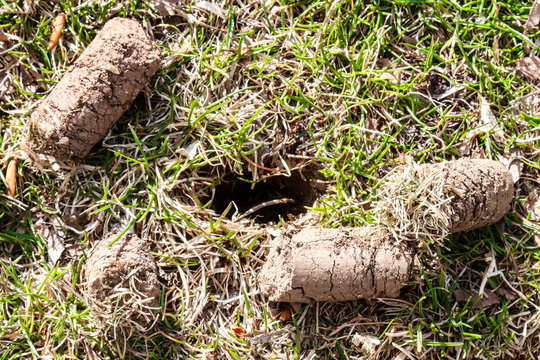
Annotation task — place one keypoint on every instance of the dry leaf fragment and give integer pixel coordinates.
(529, 104)
(3, 37)
(190, 151)
(536, 238)
(367, 342)
(534, 16)
(57, 26)
(508, 295)
(532, 205)
(489, 123)
(529, 67)
(265, 336)
(11, 177)
(239, 332)
(165, 7)
(489, 298)
(31, 79)
(6, 38)
(513, 162)
(285, 315)
(6, 86)
(73, 251)
(213, 8)
(55, 236)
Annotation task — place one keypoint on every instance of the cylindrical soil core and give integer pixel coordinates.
(482, 191)
(122, 279)
(452, 196)
(336, 265)
(96, 91)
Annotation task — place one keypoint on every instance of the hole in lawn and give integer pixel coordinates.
(301, 190)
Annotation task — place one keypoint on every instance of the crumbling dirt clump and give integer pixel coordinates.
(96, 91)
(438, 199)
(336, 265)
(122, 280)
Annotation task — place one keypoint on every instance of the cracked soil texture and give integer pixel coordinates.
(127, 270)
(482, 191)
(336, 265)
(96, 91)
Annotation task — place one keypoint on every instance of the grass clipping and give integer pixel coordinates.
(432, 201)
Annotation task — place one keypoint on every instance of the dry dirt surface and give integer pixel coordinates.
(336, 265)
(96, 91)
(123, 277)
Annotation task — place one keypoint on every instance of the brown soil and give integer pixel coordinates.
(96, 91)
(482, 191)
(123, 276)
(336, 265)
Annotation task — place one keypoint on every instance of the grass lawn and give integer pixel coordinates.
(305, 101)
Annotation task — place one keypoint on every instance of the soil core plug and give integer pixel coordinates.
(95, 92)
(336, 265)
(122, 282)
(435, 200)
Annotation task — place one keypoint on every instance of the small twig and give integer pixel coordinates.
(265, 204)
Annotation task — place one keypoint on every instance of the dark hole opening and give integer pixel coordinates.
(246, 195)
